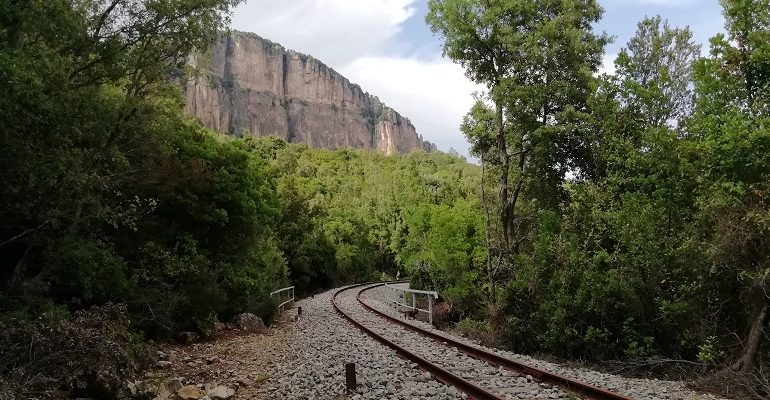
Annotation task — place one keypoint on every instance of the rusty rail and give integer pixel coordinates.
(585, 390)
(448, 378)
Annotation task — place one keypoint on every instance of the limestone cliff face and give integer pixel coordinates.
(256, 87)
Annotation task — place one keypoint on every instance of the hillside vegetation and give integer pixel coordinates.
(612, 217)
(629, 213)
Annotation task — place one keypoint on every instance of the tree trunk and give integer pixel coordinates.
(505, 211)
(488, 247)
(758, 307)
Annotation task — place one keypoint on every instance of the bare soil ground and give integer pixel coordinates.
(240, 361)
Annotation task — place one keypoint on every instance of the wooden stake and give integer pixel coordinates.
(350, 377)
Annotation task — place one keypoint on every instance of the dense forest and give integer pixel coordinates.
(618, 216)
(627, 213)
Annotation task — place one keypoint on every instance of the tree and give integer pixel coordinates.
(642, 174)
(655, 73)
(536, 59)
(108, 187)
(731, 133)
(478, 127)
(475, 34)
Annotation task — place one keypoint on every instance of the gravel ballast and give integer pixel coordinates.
(502, 382)
(323, 342)
(304, 358)
(641, 389)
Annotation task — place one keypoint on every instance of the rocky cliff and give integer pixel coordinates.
(256, 87)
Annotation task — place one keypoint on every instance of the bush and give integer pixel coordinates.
(479, 331)
(91, 354)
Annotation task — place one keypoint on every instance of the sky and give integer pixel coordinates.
(386, 48)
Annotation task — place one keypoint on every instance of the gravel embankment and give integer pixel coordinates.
(322, 342)
(641, 389)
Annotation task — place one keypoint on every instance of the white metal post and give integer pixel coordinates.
(430, 310)
(280, 297)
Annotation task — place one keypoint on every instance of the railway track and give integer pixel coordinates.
(478, 373)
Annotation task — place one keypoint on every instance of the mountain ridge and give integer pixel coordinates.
(258, 87)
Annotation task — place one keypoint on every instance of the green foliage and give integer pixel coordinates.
(619, 216)
(355, 215)
(110, 193)
(640, 226)
(708, 353)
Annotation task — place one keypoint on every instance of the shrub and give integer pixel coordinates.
(479, 331)
(91, 354)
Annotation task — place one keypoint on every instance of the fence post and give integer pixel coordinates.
(430, 310)
(350, 376)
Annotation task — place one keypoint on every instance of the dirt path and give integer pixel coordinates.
(234, 360)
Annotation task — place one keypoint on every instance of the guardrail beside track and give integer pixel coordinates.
(286, 295)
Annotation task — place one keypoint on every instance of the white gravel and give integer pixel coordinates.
(641, 389)
(322, 342)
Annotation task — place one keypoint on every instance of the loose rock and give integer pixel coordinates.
(250, 323)
(189, 392)
(221, 393)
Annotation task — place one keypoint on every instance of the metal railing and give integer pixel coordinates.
(398, 297)
(288, 298)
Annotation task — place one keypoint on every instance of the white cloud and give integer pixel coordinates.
(434, 95)
(334, 31)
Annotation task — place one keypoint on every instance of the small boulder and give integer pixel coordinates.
(221, 393)
(243, 381)
(174, 384)
(163, 364)
(250, 323)
(189, 392)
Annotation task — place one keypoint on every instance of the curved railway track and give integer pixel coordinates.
(506, 381)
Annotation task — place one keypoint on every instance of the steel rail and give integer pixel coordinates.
(586, 391)
(441, 374)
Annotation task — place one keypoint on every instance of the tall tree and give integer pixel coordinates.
(655, 72)
(478, 126)
(87, 116)
(536, 59)
(731, 130)
(476, 35)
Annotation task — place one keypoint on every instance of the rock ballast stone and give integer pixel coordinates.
(221, 393)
